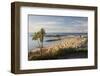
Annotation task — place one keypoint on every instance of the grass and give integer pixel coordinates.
(59, 54)
(68, 48)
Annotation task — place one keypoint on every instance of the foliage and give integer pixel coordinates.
(60, 54)
(39, 36)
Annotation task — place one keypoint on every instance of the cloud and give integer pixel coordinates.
(58, 24)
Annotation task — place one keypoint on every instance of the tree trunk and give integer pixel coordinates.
(41, 47)
(41, 50)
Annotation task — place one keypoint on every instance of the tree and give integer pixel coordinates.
(42, 34)
(39, 36)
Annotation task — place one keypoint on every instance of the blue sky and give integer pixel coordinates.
(68, 24)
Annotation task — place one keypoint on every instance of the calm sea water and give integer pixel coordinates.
(32, 44)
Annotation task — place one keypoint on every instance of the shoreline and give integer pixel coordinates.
(68, 42)
(74, 42)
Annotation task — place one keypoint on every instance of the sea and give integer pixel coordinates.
(50, 38)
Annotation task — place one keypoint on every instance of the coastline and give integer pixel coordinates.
(68, 43)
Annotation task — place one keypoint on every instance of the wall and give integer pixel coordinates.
(5, 42)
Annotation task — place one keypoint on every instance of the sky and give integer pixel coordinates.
(62, 24)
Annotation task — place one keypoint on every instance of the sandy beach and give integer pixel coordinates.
(68, 42)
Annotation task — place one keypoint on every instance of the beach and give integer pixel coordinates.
(66, 46)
